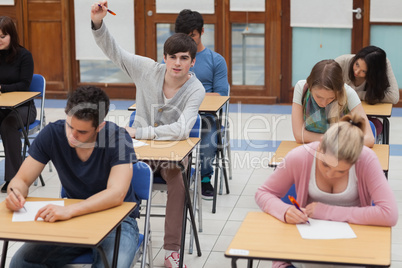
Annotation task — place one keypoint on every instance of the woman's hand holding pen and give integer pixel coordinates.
(294, 216)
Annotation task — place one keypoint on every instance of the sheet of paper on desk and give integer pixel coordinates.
(32, 207)
(137, 143)
(320, 229)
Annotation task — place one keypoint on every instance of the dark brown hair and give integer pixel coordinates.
(7, 26)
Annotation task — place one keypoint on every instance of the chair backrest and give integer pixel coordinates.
(374, 130)
(292, 192)
(194, 133)
(141, 183)
(38, 84)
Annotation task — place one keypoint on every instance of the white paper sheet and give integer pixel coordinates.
(137, 143)
(32, 208)
(320, 229)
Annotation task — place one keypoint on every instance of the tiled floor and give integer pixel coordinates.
(256, 131)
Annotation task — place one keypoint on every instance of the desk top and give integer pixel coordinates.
(261, 236)
(86, 230)
(210, 104)
(379, 109)
(381, 150)
(16, 98)
(169, 151)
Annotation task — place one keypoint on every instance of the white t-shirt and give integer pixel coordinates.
(352, 97)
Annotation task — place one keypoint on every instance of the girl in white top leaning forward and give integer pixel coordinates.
(321, 100)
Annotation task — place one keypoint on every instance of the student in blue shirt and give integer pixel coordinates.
(210, 68)
(93, 159)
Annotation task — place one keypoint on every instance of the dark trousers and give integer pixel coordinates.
(11, 136)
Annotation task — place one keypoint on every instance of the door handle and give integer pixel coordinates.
(358, 12)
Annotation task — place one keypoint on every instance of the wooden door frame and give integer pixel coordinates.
(269, 93)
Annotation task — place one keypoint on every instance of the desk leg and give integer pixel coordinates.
(4, 254)
(385, 124)
(234, 262)
(186, 176)
(219, 155)
(116, 246)
(250, 263)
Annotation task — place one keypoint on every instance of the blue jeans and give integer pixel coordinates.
(43, 255)
(209, 144)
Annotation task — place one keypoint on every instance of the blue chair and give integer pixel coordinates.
(292, 192)
(141, 183)
(374, 130)
(38, 84)
(160, 183)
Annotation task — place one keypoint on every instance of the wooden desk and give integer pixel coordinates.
(174, 152)
(212, 104)
(11, 100)
(261, 236)
(382, 110)
(82, 231)
(381, 150)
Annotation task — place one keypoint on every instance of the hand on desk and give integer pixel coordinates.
(310, 209)
(52, 213)
(294, 216)
(131, 131)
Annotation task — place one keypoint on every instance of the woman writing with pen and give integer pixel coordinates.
(336, 179)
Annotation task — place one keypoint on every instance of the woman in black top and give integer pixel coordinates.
(16, 70)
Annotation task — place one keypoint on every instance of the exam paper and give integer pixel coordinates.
(320, 229)
(32, 208)
(137, 143)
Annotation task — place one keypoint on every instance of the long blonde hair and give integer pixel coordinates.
(345, 139)
(327, 74)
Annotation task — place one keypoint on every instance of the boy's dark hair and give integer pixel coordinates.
(88, 103)
(187, 21)
(180, 42)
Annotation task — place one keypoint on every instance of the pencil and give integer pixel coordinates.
(108, 10)
(18, 198)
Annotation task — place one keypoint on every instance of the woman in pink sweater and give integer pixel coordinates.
(336, 179)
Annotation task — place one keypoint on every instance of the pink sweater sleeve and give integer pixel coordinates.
(291, 171)
(372, 186)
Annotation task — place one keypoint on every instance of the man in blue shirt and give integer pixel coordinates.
(93, 159)
(210, 68)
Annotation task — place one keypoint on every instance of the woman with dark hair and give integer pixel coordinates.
(16, 71)
(369, 72)
(322, 100)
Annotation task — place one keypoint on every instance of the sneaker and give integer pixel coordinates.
(207, 190)
(4, 188)
(172, 261)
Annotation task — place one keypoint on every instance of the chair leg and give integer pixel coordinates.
(229, 154)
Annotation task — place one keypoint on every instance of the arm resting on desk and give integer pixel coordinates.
(299, 131)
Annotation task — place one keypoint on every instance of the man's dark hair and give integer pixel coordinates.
(180, 42)
(187, 21)
(88, 103)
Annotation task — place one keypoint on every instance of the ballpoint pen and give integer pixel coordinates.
(18, 198)
(108, 10)
(294, 202)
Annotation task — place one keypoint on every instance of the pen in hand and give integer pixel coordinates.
(294, 202)
(11, 189)
(108, 10)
